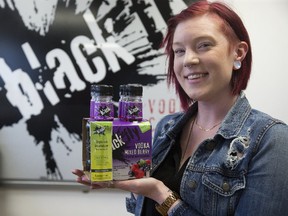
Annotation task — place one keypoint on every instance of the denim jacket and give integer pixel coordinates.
(243, 170)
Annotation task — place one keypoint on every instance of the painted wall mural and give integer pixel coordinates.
(50, 54)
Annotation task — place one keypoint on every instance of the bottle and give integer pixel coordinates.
(133, 108)
(92, 102)
(103, 108)
(122, 98)
(86, 160)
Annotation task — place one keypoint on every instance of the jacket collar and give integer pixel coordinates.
(235, 118)
(232, 122)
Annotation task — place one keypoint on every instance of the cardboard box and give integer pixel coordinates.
(130, 145)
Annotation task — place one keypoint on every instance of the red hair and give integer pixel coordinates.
(232, 27)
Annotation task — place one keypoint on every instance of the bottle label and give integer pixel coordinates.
(133, 111)
(103, 111)
(101, 151)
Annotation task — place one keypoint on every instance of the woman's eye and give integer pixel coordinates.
(179, 51)
(204, 45)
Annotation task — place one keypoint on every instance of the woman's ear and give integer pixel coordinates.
(241, 50)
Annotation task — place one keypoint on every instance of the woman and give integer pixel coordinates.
(219, 156)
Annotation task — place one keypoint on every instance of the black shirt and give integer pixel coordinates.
(168, 172)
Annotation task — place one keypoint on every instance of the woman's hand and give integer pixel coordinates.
(83, 179)
(148, 187)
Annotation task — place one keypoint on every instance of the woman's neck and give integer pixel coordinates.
(212, 112)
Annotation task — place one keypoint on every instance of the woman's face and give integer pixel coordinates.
(203, 60)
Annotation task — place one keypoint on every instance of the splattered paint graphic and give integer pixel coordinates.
(50, 54)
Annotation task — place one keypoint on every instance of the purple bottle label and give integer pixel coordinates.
(133, 111)
(121, 110)
(92, 108)
(103, 111)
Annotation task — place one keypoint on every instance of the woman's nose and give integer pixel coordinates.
(190, 59)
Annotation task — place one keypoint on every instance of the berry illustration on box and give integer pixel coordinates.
(140, 169)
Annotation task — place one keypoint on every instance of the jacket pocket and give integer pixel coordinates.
(225, 185)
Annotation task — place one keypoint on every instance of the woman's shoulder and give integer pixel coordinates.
(259, 116)
(170, 119)
(167, 122)
(267, 126)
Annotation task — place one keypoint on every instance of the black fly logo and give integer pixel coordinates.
(133, 110)
(99, 130)
(104, 111)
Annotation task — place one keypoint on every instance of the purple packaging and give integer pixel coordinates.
(92, 108)
(131, 148)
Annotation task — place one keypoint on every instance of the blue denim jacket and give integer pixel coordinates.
(243, 170)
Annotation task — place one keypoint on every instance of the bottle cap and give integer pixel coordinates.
(122, 90)
(102, 90)
(134, 90)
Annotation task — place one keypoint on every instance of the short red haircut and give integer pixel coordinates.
(232, 27)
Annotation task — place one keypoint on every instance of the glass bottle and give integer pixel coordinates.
(122, 98)
(133, 108)
(92, 102)
(103, 108)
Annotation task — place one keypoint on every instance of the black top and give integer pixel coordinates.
(168, 172)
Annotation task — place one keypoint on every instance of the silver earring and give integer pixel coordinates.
(237, 65)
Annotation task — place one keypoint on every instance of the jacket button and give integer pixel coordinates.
(225, 187)
(192, 184)
(210, 145)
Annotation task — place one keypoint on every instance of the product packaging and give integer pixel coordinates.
(116, 150)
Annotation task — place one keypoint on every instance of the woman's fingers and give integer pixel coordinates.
(78, 172)
(83, 179)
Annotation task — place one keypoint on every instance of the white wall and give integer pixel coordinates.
(267, 23)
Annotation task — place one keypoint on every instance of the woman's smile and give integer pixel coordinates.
(196, 76)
